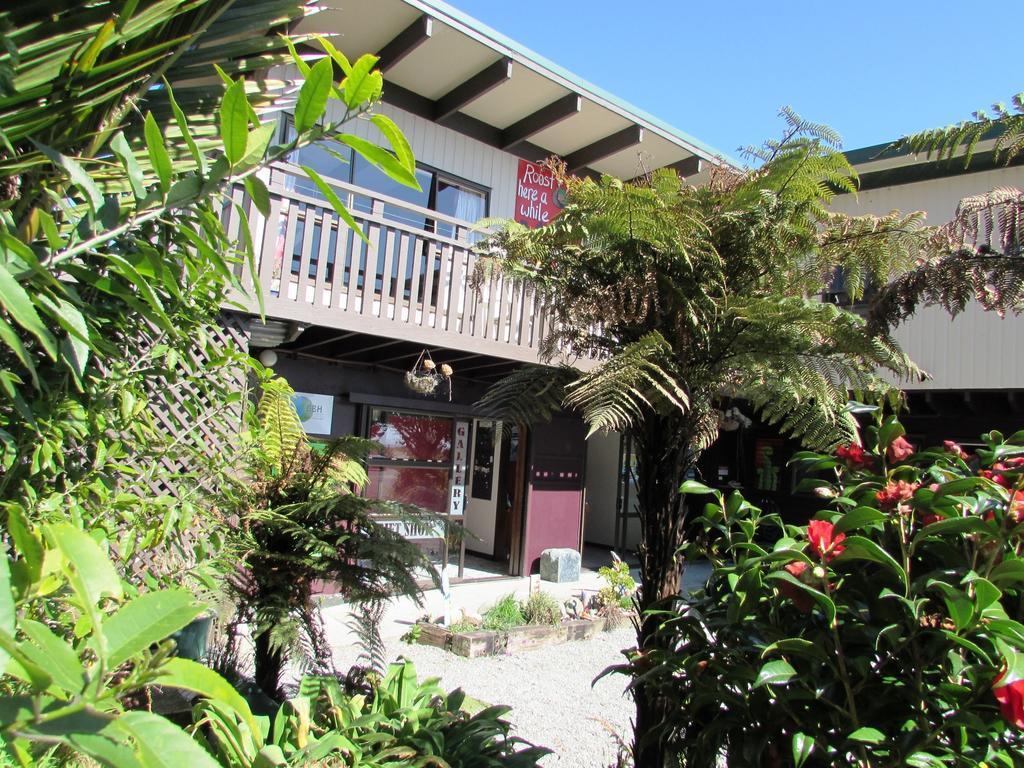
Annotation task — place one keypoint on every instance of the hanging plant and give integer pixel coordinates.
(425, 377)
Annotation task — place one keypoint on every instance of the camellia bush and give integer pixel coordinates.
(886, 632)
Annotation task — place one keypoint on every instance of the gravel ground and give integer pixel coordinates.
(550, 692)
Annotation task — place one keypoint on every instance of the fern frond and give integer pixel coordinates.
(627, 387)
(1005, 125)
(528, 394)
(280, 430)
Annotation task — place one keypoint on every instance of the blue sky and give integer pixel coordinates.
(719, 71)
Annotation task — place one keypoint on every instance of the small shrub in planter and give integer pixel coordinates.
(541, 608)
(886, 632)
(504, 615)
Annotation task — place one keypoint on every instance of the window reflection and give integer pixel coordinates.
(411, 437)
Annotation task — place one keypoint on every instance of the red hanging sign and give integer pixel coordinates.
(538, 199)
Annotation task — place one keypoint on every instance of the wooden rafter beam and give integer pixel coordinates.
(545, 117)
(691, 166)
(487, 79)
(405, 42)
(602, 148)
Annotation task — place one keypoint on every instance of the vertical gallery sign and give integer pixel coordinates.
(460, 455)
(538, 199)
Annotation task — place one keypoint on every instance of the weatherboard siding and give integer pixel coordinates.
(977, 350)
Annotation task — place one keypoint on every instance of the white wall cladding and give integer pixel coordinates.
(977, 350)
(451, 152)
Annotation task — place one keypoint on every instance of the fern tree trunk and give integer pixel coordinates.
(268, 663)
(665, 450)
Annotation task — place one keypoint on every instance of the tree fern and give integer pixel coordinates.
(682, 298)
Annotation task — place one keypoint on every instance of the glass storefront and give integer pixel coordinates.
(412, 463)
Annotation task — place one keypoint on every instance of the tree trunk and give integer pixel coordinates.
(665, 451)
(268, 664)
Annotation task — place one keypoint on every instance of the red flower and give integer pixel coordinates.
(893, 495)
(898, 450)
(1016, 509)
(954, 448)
(1011, 700)
(800, 599)
(996, 478)
(825, 543)
(854, 455)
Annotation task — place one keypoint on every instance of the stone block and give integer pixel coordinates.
(560, 565)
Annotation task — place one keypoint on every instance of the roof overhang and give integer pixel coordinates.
(446, 67)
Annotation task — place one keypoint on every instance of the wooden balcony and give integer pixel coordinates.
(412, 282)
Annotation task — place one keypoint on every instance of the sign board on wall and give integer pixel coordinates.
(538, 199)
(316, 412)
(460, 455)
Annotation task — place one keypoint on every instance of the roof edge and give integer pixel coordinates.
(476, 28)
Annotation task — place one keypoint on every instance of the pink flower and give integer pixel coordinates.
(825, 543)
(898, 450)
(894, 495)
(1011, 700)
(954, 448)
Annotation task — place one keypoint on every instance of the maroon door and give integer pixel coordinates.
(554, 500)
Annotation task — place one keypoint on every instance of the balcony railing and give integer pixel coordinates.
(413, 280)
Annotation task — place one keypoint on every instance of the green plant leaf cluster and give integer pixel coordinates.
(398, 721)
(885, 647)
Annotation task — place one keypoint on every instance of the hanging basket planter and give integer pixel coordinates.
(425, 376)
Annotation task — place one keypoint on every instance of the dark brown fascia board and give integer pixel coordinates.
(405, 42)
(545, 117)
(470, 90)
(602, 148)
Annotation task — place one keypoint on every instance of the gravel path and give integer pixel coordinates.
(550, 692)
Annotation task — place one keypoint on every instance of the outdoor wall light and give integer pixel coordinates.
(268, 357)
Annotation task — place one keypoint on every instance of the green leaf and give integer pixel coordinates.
(362, 84)
(7, 611)
(777, 672)
(889, 432)
(258, 192)
(88, 568)
(861, 517)
(234, 122)
(15, 300)
(158, 156)
(256, 144)
(399, 144)
(182, 673)
(182, 122)
(146, 620)
(336, 203)
(695, 487)
(824, 601)
(78, 175)
(381, 159)
(867, 736)
(26, 544)
(961, 610)
(161, 744)
(861, 548)
(803, 745)
(119, 146)
(1008, 572)
(312, 101)
(953, 525)
(54, 655)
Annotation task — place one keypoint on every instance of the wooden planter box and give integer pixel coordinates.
(486, 642)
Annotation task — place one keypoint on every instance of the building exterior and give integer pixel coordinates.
(347, 321)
